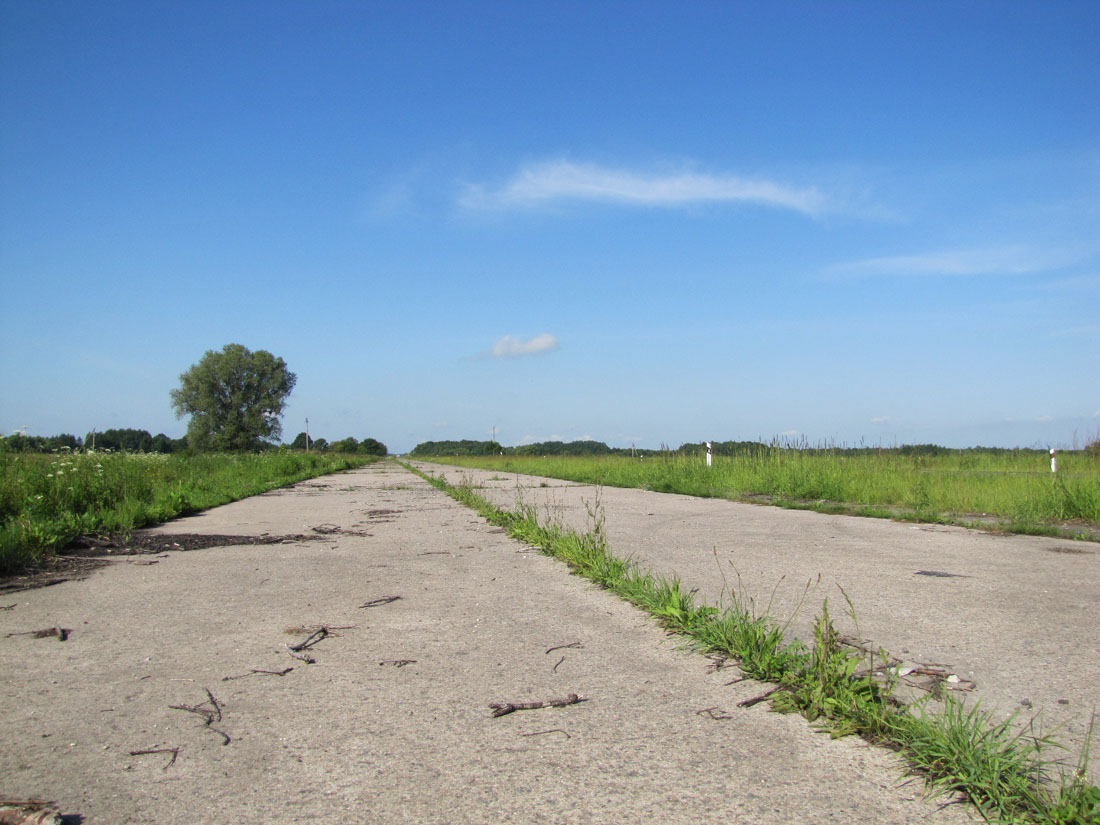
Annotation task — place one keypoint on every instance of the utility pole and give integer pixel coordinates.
(307, 435)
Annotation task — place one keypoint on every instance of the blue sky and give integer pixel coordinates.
(636, 222)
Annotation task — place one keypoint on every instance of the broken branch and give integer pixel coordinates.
(212, 714)
(552, 730)
(256, 672)
(383, 600)
(748, 703)
(310, 640)
(174, 751)
(62, 633)
(713, 713)
(504, 708)
(302, 657)
(573, 645)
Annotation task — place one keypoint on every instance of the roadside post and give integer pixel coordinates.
(1053, 460)
(710, 456)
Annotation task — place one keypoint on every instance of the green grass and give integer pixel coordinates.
(48, 500)
(959, 749)
(1011, 491)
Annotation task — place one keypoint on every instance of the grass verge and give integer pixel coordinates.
(958, 749)
(46, 501)
(1013, 493)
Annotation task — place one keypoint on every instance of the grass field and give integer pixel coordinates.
(48, 500)
(1016, 489)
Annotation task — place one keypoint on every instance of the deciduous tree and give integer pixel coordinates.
(234, 398)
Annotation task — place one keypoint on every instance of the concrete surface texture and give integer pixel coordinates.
(1016, 617)
(181, 653)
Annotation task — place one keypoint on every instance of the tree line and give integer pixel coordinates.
(141, 441)
(718, 448)
(370, 446)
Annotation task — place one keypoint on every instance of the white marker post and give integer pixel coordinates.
(710, 457)
(1053, 460)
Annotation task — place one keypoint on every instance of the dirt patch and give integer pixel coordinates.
(1073, 551)
(87, 553)
(140, 543)
(57, 570)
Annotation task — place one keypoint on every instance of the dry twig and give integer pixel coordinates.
(383, 600)
(212, 714)
(504, 708)
(62, 633)
(552, 730)
(174, 751)
(312, 639)
(258, 672)
(748, 703)
(571, 645)
(713, 713)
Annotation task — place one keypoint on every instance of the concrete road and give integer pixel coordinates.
(182, 653)
(1017, 617)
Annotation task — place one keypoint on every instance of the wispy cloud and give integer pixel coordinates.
(881, 419)
(510, 347)
(563, 180)
(1003, 260)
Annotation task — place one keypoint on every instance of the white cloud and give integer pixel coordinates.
(563, 180)
(881, 419)
(509, 346)
(1004, 260)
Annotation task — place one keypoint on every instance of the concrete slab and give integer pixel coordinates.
(1019, 616)
(392, 722)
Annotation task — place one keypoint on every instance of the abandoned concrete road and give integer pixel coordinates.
(176, 697)
(1015, 619)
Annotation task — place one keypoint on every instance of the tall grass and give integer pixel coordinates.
(1018, 489)
(48, 500)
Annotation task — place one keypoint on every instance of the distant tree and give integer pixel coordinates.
(234, 398)
(300, 442)
(319, 444)
(20, 442)
(344, 445)
(164, 444)
(130, 440)
(372, 446)
(65, 441)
